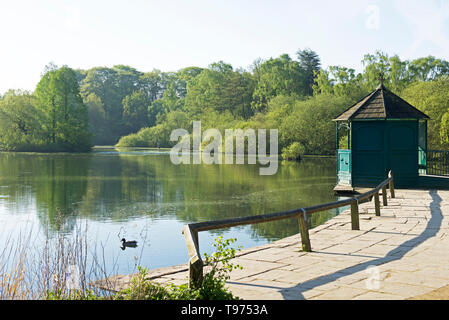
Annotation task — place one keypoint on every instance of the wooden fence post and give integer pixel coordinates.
(384, 196)
(195, 272)
(391, 186)
(377, 204)
(355, 215)
(304, 230)
(195, 262)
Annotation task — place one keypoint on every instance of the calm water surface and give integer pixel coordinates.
(141, 195)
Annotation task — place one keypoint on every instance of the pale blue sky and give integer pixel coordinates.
(169, 35)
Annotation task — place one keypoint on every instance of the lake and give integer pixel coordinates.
(138, 194)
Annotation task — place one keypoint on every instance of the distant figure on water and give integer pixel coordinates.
(129, 244)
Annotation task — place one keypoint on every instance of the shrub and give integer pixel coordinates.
(60, 294)
(214, 281)
(212, 287)
(293, 152)
(142, 288)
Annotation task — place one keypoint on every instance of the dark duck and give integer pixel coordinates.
(128, 244)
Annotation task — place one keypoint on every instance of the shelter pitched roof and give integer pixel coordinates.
(381, 104)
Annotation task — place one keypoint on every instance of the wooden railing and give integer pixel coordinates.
(191, 230)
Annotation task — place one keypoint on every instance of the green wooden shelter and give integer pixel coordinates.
(379, 133)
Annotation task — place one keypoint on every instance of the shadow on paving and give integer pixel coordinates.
(430, 231)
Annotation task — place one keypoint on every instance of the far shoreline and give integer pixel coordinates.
(96, 148)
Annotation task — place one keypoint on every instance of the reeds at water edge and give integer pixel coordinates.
(41, 265)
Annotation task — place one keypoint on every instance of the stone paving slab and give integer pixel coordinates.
(402, 254)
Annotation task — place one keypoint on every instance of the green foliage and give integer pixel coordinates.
(298, 118)
(310, 63)
(293, 152)
(340, 81)
(432, 98)
(220, 88)
(399, 74)
(159, 135)
(135, 110)
(126, 107)
(19, 122)
(428, 68)
(310, 123)
(219, 262)
(280, 76)
(54, 118)
(142, 288)
(97, 119)
(60, 294)
(396, 75)
(65, 116)
(343, 142)
(111, 86)
(211, 288)
(444, 129)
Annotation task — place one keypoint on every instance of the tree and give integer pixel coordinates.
(184, 76)
(112, 85)
(310, 123)
(428, 68)
(432, 98)
(340, 81)
(323, 83)
(310, 63)
(97, 119)
(102, 82)
(65, 117)
(399, 75)
(220, 88)
(377, 67)
(135, 111)
(280, 76)
(391, 70)
(19, 121)
(151, 84)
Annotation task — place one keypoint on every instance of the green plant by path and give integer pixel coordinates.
(219, 262)
(212, 287)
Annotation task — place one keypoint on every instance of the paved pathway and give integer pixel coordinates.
(402, 254)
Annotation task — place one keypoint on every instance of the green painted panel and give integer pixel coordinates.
(380, 146)
(367, 153)
(368, 163)
(422, 158)
(404, 164)
(368, 137)
(344, 167)
(344, 161)
(402, 153)
(402, 138)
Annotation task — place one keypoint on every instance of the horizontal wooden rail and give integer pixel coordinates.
(191, 230)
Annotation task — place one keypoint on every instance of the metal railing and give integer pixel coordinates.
(191, 230)
(437, 162)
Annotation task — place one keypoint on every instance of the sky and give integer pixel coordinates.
(173, 34)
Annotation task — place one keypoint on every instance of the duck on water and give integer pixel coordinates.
(128, 244)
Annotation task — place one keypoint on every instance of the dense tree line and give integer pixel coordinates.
(74, 109)
(300, 98)
(53, 118)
